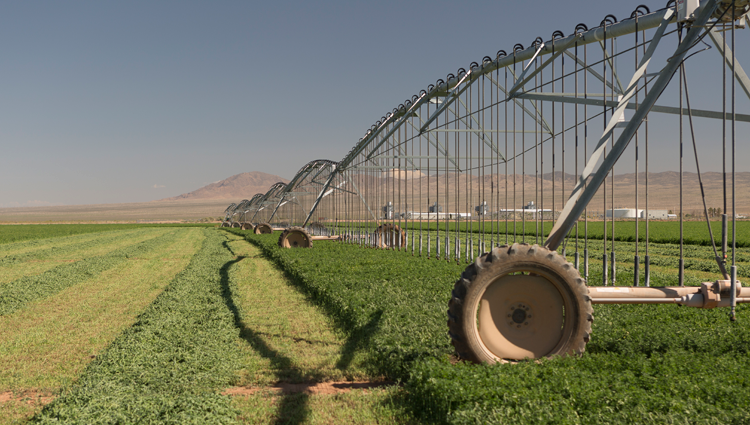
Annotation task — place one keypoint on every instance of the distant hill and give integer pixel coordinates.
(235, 188)
(663, 189)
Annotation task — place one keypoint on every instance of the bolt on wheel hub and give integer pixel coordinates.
(507, 323)
(519, 315)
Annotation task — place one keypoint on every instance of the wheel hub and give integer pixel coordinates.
(295, 238)
(520, 316)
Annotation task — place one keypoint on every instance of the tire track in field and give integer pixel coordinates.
(16, 294)
(296, 362)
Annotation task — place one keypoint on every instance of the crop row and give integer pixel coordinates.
(64, 247)
(694, 232)
(26, 246)
(697, 257)
(21, 232)
(170, 366)
(385, 303)
(16, 294)
(644, 364)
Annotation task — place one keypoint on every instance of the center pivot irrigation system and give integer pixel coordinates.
(472, 168)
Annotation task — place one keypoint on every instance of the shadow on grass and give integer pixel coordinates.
(359, 338)
(292, 408)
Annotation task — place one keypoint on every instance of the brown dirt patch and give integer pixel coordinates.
(30, 397)
(309, 388)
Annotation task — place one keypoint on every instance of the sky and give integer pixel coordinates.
(108, 102)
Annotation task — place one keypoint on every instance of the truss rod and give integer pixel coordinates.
(548, 97)
(580, 197)
(731, 61)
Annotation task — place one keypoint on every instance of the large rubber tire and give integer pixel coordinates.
(248, 226)
(237, 224)
(519, 302)
(263, 228)
(225, 224)
(388, 236)
(295, 237)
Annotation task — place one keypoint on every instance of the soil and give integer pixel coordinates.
(30, 397)
(309, 388)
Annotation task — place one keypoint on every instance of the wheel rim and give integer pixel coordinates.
(296, 239)
(520, 316)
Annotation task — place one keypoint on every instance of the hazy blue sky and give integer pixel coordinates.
(140, 100)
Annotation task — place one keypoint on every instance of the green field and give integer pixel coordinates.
(645, 364)
(156, 324)
(694, 232)
(22, 232)
(183, 324)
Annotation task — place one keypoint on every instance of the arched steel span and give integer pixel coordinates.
(298, 199)
(268, 200)
(245, 208)
(479, 159)
(229, 212)
(469, 154)
(292, 203)
(242, 209)
(454, 85)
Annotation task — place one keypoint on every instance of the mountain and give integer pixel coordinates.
(663, 189)
(235, 188)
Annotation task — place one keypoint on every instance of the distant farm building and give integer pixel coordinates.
(633, 213)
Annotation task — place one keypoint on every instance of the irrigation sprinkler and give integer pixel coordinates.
(287, 207)
(248, 226)
(528, 165)
(228, 214)
(252, 207)
(241, 212)
(293, 205)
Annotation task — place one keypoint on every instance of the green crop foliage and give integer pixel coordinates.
(694, 232)
(391, 307)
(644, 364)
(41, 249)
(21, 232)
(170, 366)
(14, 295)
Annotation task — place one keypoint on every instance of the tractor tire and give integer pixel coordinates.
(236, 224)
(295, 237)
(263, 229)
(388, 236)
(519, 302)
(224, 224)
(248, 226)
